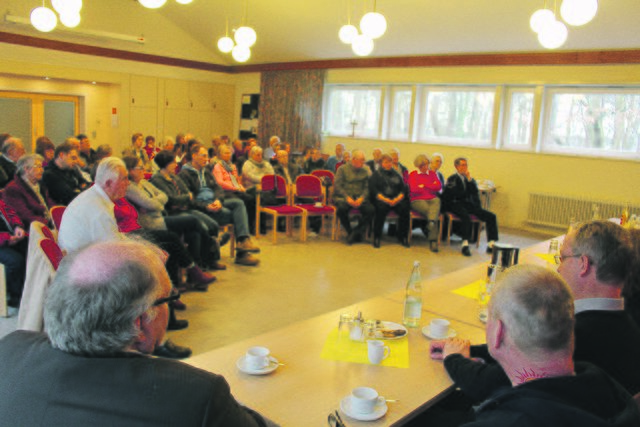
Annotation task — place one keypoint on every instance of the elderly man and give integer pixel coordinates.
(374, 164)
(12, 150)
(462, 198)
(60, 177)
(105, 312)
(86, 153)
(314, 162)
(332, 161)
(351, 191)
(286, 169)
(530, 334)
(270, 151)
(209, 198)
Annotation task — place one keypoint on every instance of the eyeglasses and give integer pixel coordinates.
(168, 299)
(560, 258)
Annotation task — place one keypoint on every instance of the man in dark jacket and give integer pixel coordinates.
(60, 177)
(547, 388)
(12, 150)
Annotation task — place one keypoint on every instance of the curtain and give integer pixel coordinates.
(291, 107)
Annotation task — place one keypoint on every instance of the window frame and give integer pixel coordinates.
(331, 88)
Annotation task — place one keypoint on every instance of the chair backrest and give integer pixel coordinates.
(52, 251)
(56, 215)
(309, 186)
(269, 182)
(324, 174)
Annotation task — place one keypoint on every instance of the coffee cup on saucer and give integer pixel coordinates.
(257, 358)
(364, 400)
(439, 328)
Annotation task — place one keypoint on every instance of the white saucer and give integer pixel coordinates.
(242, 365)
(426, 331)
(379, 411)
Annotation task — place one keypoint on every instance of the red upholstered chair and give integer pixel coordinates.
(308, 194)
(327, 178)
(475, 223)
(56, 215)
(52, 251)
(269, 183)
(415, 215)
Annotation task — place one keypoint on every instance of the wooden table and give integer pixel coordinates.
(308, 387)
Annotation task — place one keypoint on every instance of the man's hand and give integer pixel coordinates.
(468, 175)
(440, 349)
(214, 206)
(19, 233)
(354, 203)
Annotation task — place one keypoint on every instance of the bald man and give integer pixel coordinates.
(106, 310)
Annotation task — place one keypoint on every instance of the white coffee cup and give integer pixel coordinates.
(439, 328)
(377, 351)
(364, 400)
(257, 358)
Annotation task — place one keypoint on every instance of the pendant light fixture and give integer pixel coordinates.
(43, 19)
(243, 38)
(578, 12)
(348, 31)
(373, 24)
(152, 4)
(225, 44)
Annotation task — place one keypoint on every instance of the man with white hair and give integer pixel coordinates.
(12, 150)
(530, 334)
(105, 312)
(270, 151)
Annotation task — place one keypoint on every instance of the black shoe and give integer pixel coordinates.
(177, 325)
(351, 238)
(404, 242)
(170, 350)
(489, 249)
(434, 246)
(216, 265)
(224, 239)
(376, 242)
(466, 251)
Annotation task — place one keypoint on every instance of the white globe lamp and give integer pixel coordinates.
(373, 24)
(241, 53)
(70, 20)
(245, 36)
(541, 18)
(225, 44)
(347, 33)
(67, 6)
(578, 12)
(553, 35)
(152, 4)
(184, 1)
(43, 19)
(362, 45)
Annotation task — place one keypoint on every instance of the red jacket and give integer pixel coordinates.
(21, 197)
(9, 215)
(424, 186)
(126, 216)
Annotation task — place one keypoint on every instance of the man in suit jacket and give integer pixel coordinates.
(461, 197)
(374, 164)
(12, 150)
(105, 312)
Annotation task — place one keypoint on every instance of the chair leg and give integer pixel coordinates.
(275, 228)
(410, 229)
(449, 232)
(440, 221)
(3, 293)
(303, 228)
(333, 227)
(256, 232)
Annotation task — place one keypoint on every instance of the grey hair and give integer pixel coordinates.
(10, 144)
(437, 155)
(108, 170)
(254, 150)
(420, 160)
(357, 152)
(27, 161)
(98, 317)
(536, 306)
(394, 150)
(608, 247)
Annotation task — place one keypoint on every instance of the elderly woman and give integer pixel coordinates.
(26, 193)
(424, 188)
(255, 168)
(137, 149)
(226, 175)
(388, 192)
(46, 149)
(436, 163)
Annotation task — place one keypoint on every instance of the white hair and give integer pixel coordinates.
(108, 169)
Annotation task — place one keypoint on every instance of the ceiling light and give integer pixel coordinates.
(553, 35)
(225, 44)
(66, 6)
(70, 20)
(241, 53)
(152, 4)
(373, 24)
(578, 12)
(362, 45)
(184, 1)
(245, 36)
(44, 19)
(347, 33)
(540, 18)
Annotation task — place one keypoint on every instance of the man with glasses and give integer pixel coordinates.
(105, 313)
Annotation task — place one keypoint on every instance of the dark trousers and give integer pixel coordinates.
(366, 215)
(249, 199)
(14, 260)
(381, 211)
(169, 242)
(464, 210)
(197, 237)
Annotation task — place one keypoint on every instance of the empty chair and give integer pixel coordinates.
(309, 196)
(56, 215)
(278, 185)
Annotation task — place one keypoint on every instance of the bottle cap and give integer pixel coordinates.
(416, 263)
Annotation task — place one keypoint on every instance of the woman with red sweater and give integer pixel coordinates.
(424, 187)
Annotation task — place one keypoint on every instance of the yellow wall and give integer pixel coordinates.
(516, 174)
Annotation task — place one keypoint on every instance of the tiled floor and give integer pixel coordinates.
(296, 281)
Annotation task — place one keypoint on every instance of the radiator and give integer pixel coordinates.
(554, 210)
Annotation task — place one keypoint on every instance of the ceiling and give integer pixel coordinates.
(303, 30)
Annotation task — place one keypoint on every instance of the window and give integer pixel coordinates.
(353, 110)
(519, 118)
(457, 115)
(400, 120)
(592, 121)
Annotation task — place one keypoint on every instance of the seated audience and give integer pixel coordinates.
(46, 149)
(286, 169)
(86, 153)
(137, 150)
(346, 158)
(209, 199)
(27, 195)
(240, 155)
(270, 151)
(102, 151)
(631, 290)
(13, 252)
(60, 177)
(12, 150)
(374, 164)
(424, 188)
(462, 198)
(315, 162)
(397, 166)
(168, 144)
(332, 161)
(436, 163)
(105, 312)
(255, 168)
(388, 193)
(150, 147)
(351, 191)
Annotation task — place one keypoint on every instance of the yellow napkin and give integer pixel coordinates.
(547, 257)
(472, 290)
(342, 348)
